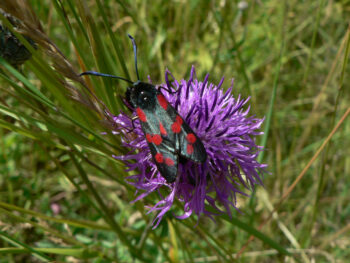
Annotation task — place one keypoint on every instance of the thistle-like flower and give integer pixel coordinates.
(228, 135)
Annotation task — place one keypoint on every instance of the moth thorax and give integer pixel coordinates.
(143, 95)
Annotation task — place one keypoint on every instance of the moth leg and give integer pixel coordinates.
(126, 103)
(170, 91)
(132, 122)
(168, 88)
(133, 125)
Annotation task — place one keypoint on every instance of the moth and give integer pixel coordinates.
(168, 136)
(11, 48)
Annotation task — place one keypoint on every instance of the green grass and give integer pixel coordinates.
(290, 56)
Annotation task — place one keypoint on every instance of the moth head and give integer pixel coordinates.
(142, 95)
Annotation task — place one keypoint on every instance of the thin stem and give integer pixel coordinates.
(313, 41)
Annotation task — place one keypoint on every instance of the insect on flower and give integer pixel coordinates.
(168, 136)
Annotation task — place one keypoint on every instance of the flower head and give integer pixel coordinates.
(228, 135)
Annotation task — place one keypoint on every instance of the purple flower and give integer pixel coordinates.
(228, 135)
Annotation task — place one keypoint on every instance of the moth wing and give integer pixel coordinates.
(168, 137)
(165, 160)
(190, 146)
(185, 141)
(161, 147)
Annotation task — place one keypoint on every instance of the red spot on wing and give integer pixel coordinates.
(149, 137)
(141, 114)
(157, 139)
(162, 129)
(179, 120)
(162, 101)
(191, 138)
(176, 127)
(169, 162)
(189, 149)
(159, 157)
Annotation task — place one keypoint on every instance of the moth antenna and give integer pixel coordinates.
(94, 73)
(135, 55)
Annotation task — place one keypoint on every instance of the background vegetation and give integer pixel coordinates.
(62, 196)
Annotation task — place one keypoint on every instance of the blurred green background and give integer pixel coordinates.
(63, 197)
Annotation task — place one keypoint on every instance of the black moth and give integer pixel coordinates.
(168, 136)
(11, 48)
